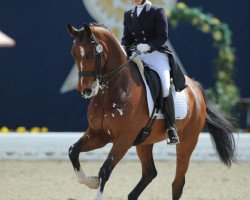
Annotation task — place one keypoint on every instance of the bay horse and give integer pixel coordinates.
(118, 112)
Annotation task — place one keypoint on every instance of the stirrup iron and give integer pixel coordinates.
(172, 136)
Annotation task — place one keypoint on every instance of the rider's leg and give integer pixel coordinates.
(169, 113)
(168, 108)
(160, 63)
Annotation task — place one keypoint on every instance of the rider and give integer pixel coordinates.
(146, 27)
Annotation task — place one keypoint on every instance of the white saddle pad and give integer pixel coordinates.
(180, 98)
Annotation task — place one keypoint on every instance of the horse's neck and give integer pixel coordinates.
(128, 79)
(126, 82)
(115, 60)
(120, 82)
(116, 56)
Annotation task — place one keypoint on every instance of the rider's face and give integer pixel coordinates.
(137, 2)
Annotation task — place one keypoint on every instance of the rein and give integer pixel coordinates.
(97, 72)
(116, 71)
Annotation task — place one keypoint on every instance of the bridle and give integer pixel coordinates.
(97, 72)
(98, 62)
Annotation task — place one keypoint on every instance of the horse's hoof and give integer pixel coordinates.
(93, 182)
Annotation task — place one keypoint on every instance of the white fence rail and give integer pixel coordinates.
(54, 146)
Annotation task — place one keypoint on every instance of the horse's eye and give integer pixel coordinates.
(89, 55)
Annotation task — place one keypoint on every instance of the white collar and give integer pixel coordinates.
(147, 3)
(140, 6)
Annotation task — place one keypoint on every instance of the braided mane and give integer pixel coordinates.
(99, 25)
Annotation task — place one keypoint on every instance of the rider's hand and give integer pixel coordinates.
(143, 48)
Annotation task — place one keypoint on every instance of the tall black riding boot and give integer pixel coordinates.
(169, 113)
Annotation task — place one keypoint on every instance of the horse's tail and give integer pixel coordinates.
(221, 127)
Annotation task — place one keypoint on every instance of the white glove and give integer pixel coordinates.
(143, 47)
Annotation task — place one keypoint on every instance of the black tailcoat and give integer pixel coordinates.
(151, 27)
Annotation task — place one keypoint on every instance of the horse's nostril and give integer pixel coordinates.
(87, 91)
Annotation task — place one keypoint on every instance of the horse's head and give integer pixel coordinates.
(88, 54)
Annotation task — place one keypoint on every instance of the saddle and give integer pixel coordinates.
(154, 84)
(152, 79)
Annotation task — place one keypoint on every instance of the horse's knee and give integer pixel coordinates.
(74, 152)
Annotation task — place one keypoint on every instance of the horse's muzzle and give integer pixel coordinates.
(86, 93)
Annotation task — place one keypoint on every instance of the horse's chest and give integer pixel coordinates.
(95, 115)
(103, 114)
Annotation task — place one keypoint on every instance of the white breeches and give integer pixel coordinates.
(159, 62)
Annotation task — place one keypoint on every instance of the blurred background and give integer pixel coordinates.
(37, 94)
(37, 84)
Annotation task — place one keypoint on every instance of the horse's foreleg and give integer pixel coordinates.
(87, 142)
(117, 152)
(148, 170)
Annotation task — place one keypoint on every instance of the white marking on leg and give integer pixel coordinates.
(82, 52)
(99, 194)
(91, 181)
(81, 177)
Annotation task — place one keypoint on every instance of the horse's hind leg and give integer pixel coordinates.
(184, 151)
(148, 170)
(87, 142)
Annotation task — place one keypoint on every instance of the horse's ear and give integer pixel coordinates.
(72, 30)
(87, 30)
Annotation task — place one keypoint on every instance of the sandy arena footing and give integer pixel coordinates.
(55, 180)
